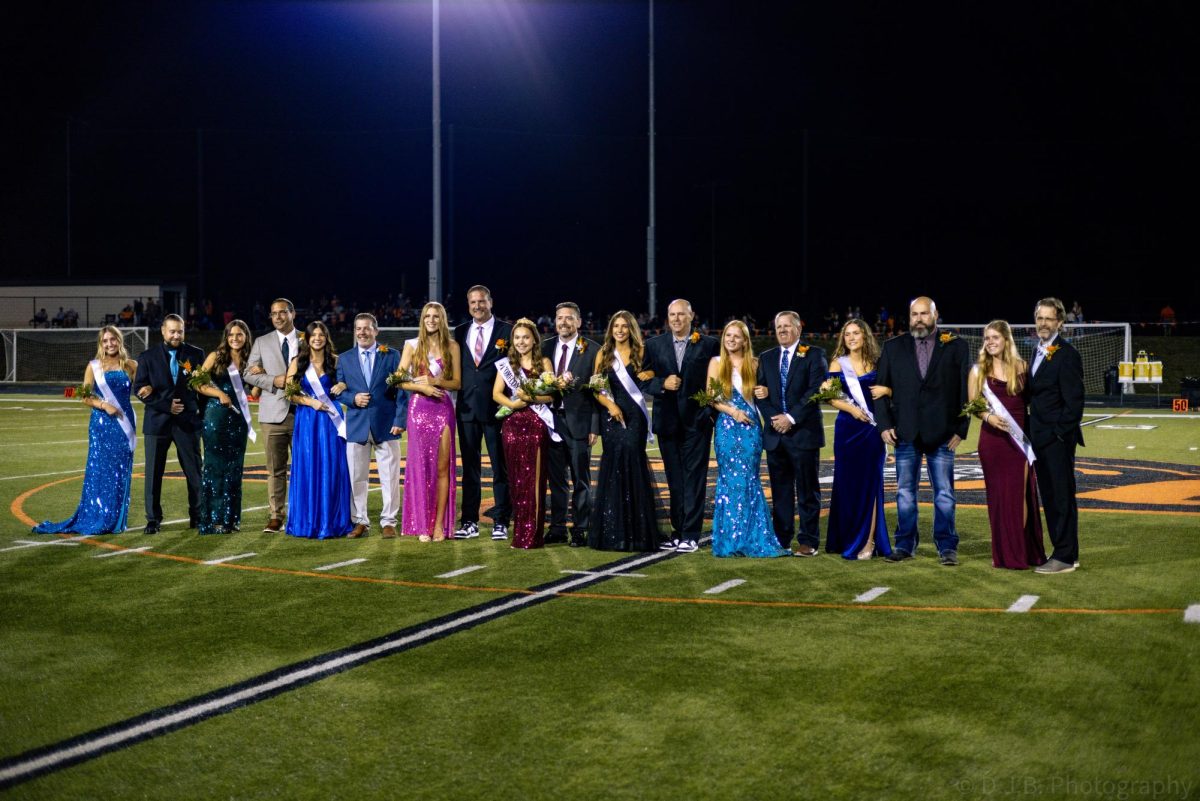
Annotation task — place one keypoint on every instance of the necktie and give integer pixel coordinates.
(783, 377)
(174, 365)
(367, 366)
(680, 345)
(287, 353)
(562, 361)
(1037, 359)
(923, 355)
(479, 346)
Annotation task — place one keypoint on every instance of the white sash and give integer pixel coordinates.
(852, 384)
(504, 368)
(1014, 430)
(435, 370)
(235, 378)
(333, 409)
(626, 380)
(127, 425)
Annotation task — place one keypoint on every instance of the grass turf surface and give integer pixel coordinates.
(635, 688)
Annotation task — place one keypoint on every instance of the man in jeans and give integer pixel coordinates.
(926, 370)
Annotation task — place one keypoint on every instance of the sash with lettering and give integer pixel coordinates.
(852, 384)
(127, 425)
(504, 368)
(1014, 430)
(332, 408)
(435, 369)
(235, 378)
(627, 381)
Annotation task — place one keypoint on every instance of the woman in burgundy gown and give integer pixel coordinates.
(1007, 474)
(524, 433)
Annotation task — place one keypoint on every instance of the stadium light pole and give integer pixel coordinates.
(435, 263)
(651, 272)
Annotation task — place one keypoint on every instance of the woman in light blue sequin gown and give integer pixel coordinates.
(104, 503)
(741, 519)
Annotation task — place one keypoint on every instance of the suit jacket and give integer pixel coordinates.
(1056, 397)
(388, 406)
(154, 370)
(475, 398)
(924, 411)
(265, 353)
(675, 411)
(805, 375)
(577, 414)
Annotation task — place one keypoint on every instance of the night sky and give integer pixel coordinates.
(986, 154)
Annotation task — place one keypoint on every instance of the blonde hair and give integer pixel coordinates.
(514, 358)
(421, 355)
(636, 349)
(870, 346)
(1013, 364)
(122, 353)
(749, 368)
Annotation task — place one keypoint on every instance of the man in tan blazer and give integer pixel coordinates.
(269, 359)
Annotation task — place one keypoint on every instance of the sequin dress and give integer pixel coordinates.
(741, 521)
(224, 437)
(857, 497)
(427, 418)
(319, 483)
(624, 513)
(1011, 483)
(104, 502)
(524, 436)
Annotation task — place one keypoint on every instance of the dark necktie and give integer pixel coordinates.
(923, 353)
(287, 353)
(783, 378)
(562, 361)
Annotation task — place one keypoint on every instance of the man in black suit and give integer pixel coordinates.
(793, 434)
(926, 370)
(172, 415)
(577, 421)
(1055, 411)
(679, 359)
(482, 341)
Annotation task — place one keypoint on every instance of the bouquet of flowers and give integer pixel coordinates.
(713, 395)
(399, 377)
(597, 383)
(977, 406)
(81, 391)
(199, 378)
(291, 389)
(831, 390)
(503, 412)
(546, 384)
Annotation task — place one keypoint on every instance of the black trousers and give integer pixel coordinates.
(685, 460)
(570, 483)
(795, 483)
(471, 436)
(187, 450)
(1055, 467)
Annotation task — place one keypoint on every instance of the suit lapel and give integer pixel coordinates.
(934, 356)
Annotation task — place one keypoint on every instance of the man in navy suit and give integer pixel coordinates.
(376, 415)
(788, 376)
(481, 342)
(926, 370)
(679, 359)
(172, 415)
(1055, 411)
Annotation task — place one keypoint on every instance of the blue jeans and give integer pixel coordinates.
(940, 465)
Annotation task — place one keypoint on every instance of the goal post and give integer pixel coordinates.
(58, 355)
(1101, 345)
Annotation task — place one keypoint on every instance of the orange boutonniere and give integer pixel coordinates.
(947, 338)
(501, 345)
(802, 350)
(581, 347)
(300, 335)
(187, 366)
(1050, 351)
(384, 349)
(694, 338)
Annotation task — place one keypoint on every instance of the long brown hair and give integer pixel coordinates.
(870, 346)
(535, 354)
(122, 353)
(304, 352)
(1013, 365)
(749, 369)
(225, 353)
(636, 347)
(420, 364)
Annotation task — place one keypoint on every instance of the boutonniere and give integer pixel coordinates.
(1050, 351)
(947, 338)
(581, 347)
(384, 349)
(802, 350)
(187, 366)
(501, 345)
(300, 335)
(694, 338)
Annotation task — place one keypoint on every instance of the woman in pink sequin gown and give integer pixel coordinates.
(432, 359)
(524, 435)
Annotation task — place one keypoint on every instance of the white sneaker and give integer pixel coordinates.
(669, 545)
(687, 546)
(499, 532)
(467, 531)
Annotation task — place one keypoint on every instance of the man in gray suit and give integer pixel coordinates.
(269, 359)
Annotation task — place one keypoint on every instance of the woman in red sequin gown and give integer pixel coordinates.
(524, 434)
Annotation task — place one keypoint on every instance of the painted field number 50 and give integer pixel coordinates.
(1179, 404)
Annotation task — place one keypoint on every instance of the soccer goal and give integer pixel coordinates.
(56, 355)
(1101, 345)
(396, 337)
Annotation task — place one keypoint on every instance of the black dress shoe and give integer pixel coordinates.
(151, 528)
(192, 522)
(577, 541)
(554, 536)
(898, 556)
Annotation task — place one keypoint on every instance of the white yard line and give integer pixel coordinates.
(40, 543)
(870, 595)
(1192, 614)
(170, 460)
(336, 565)
(225, 559)
(461, 571)
(1023, 604)
(40, 444)
(605, 573)
(107, 554)
(725, 585)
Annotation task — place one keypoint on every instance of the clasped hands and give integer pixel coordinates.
(780, 422)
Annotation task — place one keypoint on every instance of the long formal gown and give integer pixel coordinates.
(224, 437)
(624, 503)
(104, 502)
(857, 498)
(524, 435)
(319, 484)
(1011, 484)
(741, 520)
(427, 418)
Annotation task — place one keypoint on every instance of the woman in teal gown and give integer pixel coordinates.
(224, 434)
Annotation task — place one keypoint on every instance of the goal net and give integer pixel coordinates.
(1101, 345)
(396, 337)
(57, 355)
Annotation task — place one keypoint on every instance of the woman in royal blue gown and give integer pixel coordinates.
(104, 503)
(741, 521)
(857, 526)
(319, 485)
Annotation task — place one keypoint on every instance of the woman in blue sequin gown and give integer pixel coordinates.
(319, 484)
(857, 526)
(224, 435)
(624, 506)
(104, 502)
(741, 520)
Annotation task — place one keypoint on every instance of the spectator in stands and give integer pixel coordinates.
(40, 320)
(139, 311)
(60, 318)
(125, 317)
(1167, 318)
(71, 320)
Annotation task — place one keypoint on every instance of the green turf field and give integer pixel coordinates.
(636, 686)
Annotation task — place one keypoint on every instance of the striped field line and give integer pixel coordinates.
(1023, 604)
(725, 585)
(122, 551)
(870, 595)
(336, 565)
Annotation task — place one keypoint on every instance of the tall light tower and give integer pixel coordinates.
(435, 263)
(651, 274)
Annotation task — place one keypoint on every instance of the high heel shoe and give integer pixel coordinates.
(439, 537)
(867, 553)
(424, 538)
